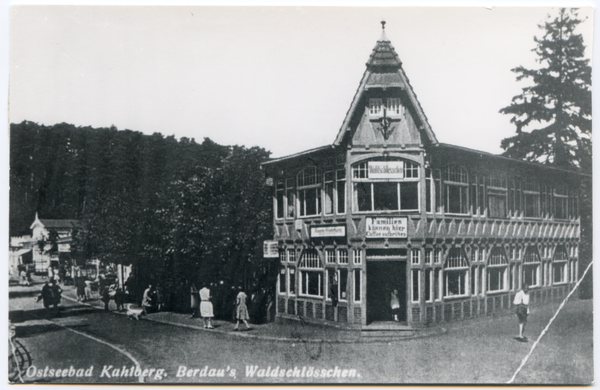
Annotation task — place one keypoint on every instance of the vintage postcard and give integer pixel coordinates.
(300, 195)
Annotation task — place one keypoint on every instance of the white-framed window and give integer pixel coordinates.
(330, 256)
(309, 192)
(282, 280)
(328, 192)
(559, 265)
(279, 199)
(457, 189)
(497, 196)
(392, 186)
(342, 256)
(438, 253)
(289, 195)
(337, 284)
(497, 273)
(428, 256)
(481, 253)
(357, 285)
(531, 199)
(429, 285)
(292, 280)
(357, 256)
(456, 274)
(416, 284)
(415, 256)
(561, 200)
(375, 107)
(311, 274)
(341, 191)
(394, 107)
(531, 267)
(282, 257)
(291, 255)
(438, 285)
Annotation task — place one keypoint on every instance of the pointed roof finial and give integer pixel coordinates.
(383, 38)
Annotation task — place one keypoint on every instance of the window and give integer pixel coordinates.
(428, 285)
(279, 201)
(311, 274)
(437, 284)
(531, 267)
(342, 256)
(309, 192)
(560, 202)
(291, 255)
(455, 273)
(474, 280)
(290, 198)
(532, 204)
(428, 191)
(497, 270)
(415, 285)
(457, 187)
(428, 256)
(330, 256)
(328, 179)
(559, 265)
(438, 255)
(415, 256)
(292, 279)
(357, 280)
(357, 256)
(341, 191)
(343, 284)
(473, 254)
(385, 186)
(393, 106)
(497, 193)
(282, 281)
(375, 108)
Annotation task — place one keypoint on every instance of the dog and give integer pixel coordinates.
(134, 312)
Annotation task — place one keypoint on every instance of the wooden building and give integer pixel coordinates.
(386, 206)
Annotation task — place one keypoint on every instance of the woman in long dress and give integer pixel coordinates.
(206, 308)
(241, 312)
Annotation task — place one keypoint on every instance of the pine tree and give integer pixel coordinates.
(559, 100)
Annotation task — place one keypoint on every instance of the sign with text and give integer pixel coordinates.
(387, 227)
(386, 170)
(64, 247)
(270, 249)
(328, 231)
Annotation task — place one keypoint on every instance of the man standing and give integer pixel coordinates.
(522, 303)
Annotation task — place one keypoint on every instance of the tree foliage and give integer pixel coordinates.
(553, 114)
(178, 211)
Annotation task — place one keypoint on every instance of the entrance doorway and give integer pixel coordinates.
(382, 278)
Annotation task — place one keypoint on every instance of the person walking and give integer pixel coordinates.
(80, 286)
(120, 299)
(88, 289)
(522, 303)
(241, 312)
(395, 304)
(206, 307)
(147, 299)
(105, 297)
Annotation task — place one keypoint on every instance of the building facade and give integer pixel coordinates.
(60, 247)
(387, 207)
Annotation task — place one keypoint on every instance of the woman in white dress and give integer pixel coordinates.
(206, 308)
(241, 312)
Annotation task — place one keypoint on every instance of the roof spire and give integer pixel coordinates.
(383, 38)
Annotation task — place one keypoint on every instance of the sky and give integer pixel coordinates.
(281, 78)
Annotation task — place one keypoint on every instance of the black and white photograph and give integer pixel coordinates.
(300, 195)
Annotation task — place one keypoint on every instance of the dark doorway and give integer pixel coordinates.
(382, 278)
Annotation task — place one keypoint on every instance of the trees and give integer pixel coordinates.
(559, 100)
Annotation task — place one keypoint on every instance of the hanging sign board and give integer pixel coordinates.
(328, 231)
(270, 249)
(386, 170)
(64, 247)
(396, 227)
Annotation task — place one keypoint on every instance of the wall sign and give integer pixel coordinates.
(64, 247)
(386, 169)
(328, 231)
(270, 249)
(387, 227)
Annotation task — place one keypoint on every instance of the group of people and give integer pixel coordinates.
(51, 294)
(202, 306)
(24, 276)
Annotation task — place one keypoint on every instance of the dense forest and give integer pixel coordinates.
(179, 211)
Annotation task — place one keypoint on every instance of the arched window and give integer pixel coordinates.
(389, 185)
(559, 265)
(311, 273)
(456, 272)
(497, 275)
(457, 188)
(531, 266)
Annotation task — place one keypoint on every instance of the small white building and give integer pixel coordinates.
(40, 231)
